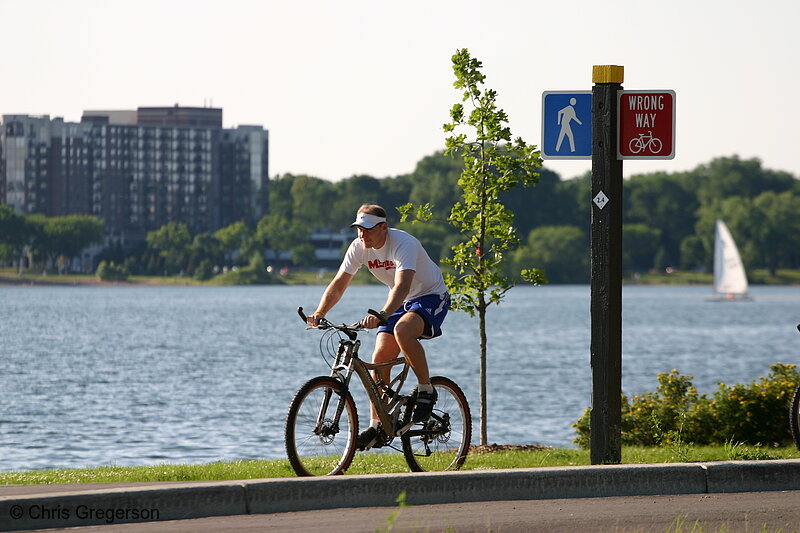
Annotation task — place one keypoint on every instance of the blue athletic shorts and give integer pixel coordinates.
(431, 307)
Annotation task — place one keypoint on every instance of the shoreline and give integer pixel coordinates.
(41, 281)
(9, 279)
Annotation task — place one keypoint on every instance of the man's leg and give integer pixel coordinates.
(406, 333)
(386, 349)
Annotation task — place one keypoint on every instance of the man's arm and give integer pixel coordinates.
(397, 295)
(331, 296)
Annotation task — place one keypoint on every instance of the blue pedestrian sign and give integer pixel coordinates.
(566, 125)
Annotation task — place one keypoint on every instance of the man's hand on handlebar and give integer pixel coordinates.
(314, 318)
(374, 319)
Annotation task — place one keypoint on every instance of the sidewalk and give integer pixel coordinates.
(50, 506)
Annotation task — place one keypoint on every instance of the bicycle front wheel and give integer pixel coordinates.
(655, 146)
(442, 442)
(794, 417)
(321, 428)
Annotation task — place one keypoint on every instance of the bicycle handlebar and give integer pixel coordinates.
(376, 314)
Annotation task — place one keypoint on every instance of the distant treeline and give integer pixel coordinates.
(668, 221)
(668, 217)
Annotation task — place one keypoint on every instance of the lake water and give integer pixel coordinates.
(141, 375)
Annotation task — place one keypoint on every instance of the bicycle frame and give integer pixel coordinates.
(347, 362)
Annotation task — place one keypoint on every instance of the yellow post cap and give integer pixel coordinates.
(608, 74)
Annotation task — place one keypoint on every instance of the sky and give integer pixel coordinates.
(353, 87)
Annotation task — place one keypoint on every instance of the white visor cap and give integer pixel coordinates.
(367, 221)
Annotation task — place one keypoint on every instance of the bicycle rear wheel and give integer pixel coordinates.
(794, 417)
(318, 441)
(442, 442)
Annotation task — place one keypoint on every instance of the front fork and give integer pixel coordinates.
(342, 364)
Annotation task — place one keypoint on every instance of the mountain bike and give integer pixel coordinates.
(322, 421)
(794, 413)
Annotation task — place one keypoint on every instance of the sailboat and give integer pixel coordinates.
(730, 280)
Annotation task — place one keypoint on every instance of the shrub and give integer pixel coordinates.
(110, 271)
(255, 273)
(676, 413)
(204, 271)
(756, 413)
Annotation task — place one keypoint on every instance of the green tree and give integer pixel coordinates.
(280, 195)
(394, 191)
(661, 202)
(639, 247)
(235, 240)
(39, 246)
(693, 254)
(110, 271)
(171, 242)
(311, 196)
(303, 254)
(67, 236)
(435, 182)
(16, 232)
(779, 236)
(730, 176)
(348, 195)
(560, 251)
(280, 234)
(552, 202)
(204, 247)
(493, 164)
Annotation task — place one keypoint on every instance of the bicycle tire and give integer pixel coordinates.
(441, 443)
(635, 146)
(328, 453)
(655, 146)
(794, 417)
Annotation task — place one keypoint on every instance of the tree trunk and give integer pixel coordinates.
(482, 327)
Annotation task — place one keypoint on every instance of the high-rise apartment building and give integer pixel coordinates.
(136, 170)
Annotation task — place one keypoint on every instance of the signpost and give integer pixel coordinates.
(567, 125)
(646, 124)
(607, 125)
(606, 283)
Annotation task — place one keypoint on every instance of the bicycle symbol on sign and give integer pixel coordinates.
(643, 142)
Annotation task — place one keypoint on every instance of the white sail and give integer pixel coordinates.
(729, 275)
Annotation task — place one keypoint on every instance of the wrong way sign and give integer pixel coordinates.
(646, 124)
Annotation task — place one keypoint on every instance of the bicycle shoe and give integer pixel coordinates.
(367, 439)
(424, 405)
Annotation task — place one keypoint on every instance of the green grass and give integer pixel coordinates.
(382, 463)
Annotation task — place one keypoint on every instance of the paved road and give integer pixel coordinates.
(739, 512)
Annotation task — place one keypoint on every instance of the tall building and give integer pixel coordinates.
(136, 170)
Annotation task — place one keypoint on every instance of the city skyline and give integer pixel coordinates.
(136, 169)
(362, 88)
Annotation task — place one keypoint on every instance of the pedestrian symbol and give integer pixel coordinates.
(565, 116)
(567, 125)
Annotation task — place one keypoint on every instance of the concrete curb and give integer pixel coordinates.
(148, 502)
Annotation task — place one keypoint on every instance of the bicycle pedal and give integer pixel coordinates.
(373, 444)
(405, 428)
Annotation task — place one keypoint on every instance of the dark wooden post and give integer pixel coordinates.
(606, 306)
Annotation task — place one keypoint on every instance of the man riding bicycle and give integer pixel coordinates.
(415, 307)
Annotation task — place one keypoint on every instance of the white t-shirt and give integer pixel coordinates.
(401, 251)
